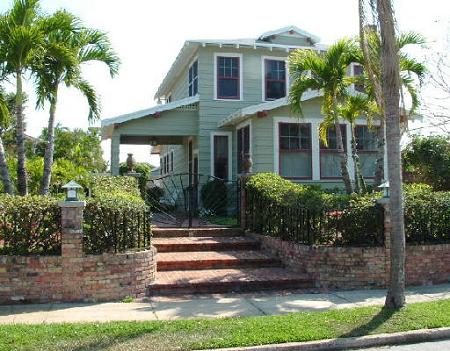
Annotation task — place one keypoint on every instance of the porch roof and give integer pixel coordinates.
(108, 124)
(244, 113)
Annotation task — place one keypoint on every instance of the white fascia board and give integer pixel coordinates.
(242, 114)
(142, 113)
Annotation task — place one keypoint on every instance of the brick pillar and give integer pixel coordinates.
(72, 249)
(387, 237)
(243, 179)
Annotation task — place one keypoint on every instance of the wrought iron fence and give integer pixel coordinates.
(109, 229)
(346, 226)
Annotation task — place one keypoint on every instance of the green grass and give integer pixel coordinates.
(227, 332)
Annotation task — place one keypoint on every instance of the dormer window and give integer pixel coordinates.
(274, 79)
(193, 79)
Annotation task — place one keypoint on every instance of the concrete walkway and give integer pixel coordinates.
(210, 306)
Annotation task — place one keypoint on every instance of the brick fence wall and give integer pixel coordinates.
(360, 268)
(74, 276)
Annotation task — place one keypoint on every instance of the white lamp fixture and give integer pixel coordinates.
(385, 188)
(72, 188)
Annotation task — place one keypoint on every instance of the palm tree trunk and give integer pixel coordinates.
(344, 158)
(4, 173)
(360, 183)
(377, 89)
(49, 148)
(20, 137)
(390, 73)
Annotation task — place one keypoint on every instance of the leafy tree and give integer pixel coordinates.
(82, 148)
(325, 71)
(427, 160)
(66, 48)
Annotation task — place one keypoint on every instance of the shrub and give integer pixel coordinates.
(29, 225)
(104, 185)
(144, 169)
(214, 197)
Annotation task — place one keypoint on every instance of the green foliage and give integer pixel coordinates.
(214, 197)
(29, 225)
(82, 148)
(427, 160)
(144, 169)
(117, 186)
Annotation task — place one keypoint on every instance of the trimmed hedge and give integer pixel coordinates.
(306, 214)
(29, 225)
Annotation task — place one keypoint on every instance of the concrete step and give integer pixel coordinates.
(196, 232)
(167, 261)
(227, 280)
(205, 244)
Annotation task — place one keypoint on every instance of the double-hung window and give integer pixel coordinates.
(193, 79)
(221, 162)
(367, 145)
(274, 79)
(295, 150)
(330, 155)
(243, 146)
(228, 77)
(358, 71)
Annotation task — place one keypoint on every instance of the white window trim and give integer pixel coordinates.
(230, 154)
(241, 74)
(263, 74)
(198, 80)
(242, 125)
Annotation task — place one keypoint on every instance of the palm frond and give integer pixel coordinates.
(410, 38)
(88, 91)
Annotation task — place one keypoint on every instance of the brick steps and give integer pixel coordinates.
(183, 244)
(226, 280)
(216, 260)
(196, 232)
(168, 261)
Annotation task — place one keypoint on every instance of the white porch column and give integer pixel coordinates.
(115, 154)
(315, 150)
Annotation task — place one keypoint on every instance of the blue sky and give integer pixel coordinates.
(147, 36)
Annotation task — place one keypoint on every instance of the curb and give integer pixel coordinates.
(409, 337)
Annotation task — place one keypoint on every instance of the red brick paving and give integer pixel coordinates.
(204, 243)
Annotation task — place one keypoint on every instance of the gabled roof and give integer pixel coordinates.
(190, 47)
(244, 113)
(108, 124)
(290, 29)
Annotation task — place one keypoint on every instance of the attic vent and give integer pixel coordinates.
(191, 107)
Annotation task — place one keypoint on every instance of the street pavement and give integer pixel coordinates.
(443, 345)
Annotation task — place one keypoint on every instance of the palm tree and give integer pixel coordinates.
(390, 74)
(410, 70)
(66, 48)
(354, 107)
(4, 123)
(20, 42)
(325, 71)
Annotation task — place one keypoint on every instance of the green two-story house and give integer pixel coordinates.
(224, 99)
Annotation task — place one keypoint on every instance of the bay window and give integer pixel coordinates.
(295, 150)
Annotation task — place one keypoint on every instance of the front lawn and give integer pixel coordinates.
(201, 334)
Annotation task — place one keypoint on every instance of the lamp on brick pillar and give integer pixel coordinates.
(72, 242)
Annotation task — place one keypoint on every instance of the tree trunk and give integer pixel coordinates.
(378, 92)
(49, 148)
(344, 158)
(390, 77)
(360, 183)
(4, 173)
(20, 138)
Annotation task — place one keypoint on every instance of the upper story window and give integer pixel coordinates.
(228, 77)
(193, 79)
(274, 79)
(358, 70)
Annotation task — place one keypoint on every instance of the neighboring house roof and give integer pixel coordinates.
(244, 113)
(108, 124)
(189, 48)
(314, 39)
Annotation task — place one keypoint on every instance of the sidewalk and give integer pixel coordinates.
(210, 306)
